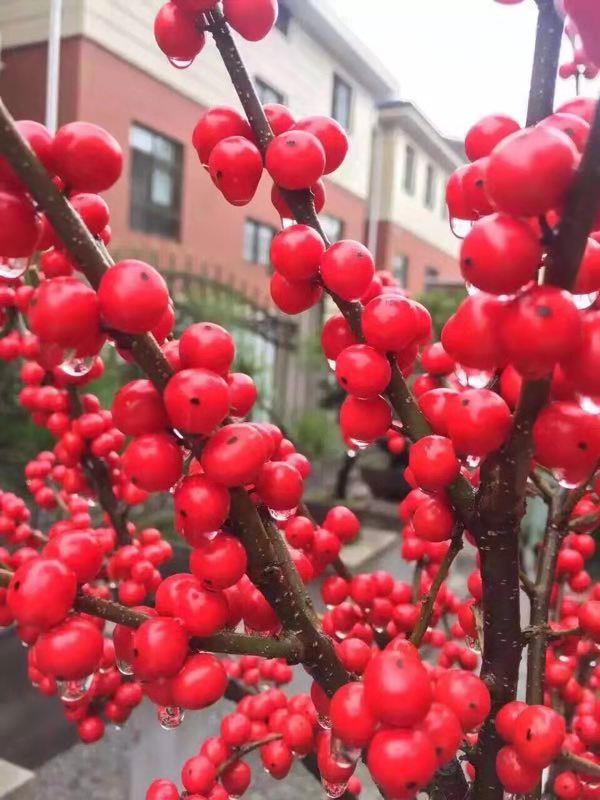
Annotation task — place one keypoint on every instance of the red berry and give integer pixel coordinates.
(479, 421)
(153, 462)
(365, 420)
(70, 651)
(218, 123)
(401, 762)
(41, 593)
(162, 789)
(196, 400)
(516, 776)
(294, 297)
(242, 394)
(331, 135)
(471, 334)
(90, 729)
(220, 562)
(530, 171)
(433, 463)
(347, 269)
(64, 311)
(277, 759)
(567, 786)
(442, 728)
(295, 160)
(176, 34)
(351, 718)
(296, 253)
(363, 371)
(252, 19)
(160, 646)
(500, 254)
(433, 520)
(208, 346)
(390, 323)
(538, 735)
(567, 439)
(235, 454)
(92, 209)
(582, 367)
(203, 613)
(280, 486)
(201, 506)
(279, 117)
(589, 618)
(87, 158)
(235, 166)
(397, 688)
(483, 137)
(138, 408)
(133, 297)
(79, 550)
(198, 775)
(21, 226)
(507, 717)
(466, 694)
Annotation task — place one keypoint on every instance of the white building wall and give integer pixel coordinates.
(295, 64)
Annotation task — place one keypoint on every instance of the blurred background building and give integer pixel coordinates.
(389, 193)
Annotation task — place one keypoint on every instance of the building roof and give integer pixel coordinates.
(319, 19)
(406, 115)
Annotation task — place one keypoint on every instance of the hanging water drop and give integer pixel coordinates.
(72, 691)
(170, 717)
(124, 668)
(76, 366)
(181, 63)
(13, 268)
(282, 515)
(333, 790)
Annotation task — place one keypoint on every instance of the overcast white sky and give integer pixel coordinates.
(456, 59)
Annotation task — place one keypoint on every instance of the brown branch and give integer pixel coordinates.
(542, 485)
(527, 584)
(579, 764)
(428, 602)
(302, 206)
(585, 522)
(286, 646)
(549, 633)
(575, 496)
(270, 566)
(246, 749)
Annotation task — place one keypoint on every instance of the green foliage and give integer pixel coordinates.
(441, 304)
(315, 434)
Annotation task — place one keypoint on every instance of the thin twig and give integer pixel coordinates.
(580, 765)
(246, 749)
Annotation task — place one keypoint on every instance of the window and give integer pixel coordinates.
(267, 94)
(431, 278)
(342, 102)
(400, 269)
(283, 19)
(410, 163)
(430, 187)
(257, 242)
(332, 227)
(156, 171)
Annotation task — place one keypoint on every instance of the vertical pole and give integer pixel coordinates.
(53, 65)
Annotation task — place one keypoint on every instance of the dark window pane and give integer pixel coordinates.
(400, 269)
(283, 19)
(257, 242)
(156, 173)
(431, 278)
(409, 169)
(430, 187)
(267, 94)
(341, 108)
(333, 227)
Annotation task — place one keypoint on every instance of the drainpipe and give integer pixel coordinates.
(53, 66)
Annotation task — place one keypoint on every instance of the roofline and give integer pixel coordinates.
(326, 27)
(405, 110)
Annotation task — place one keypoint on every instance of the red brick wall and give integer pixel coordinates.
(99, 87)
(393, 241)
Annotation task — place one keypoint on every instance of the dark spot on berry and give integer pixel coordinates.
(473, 705)
(570, 132)
(344, 380)
(183, 514)
(195, 401)
(480, 183)
(529, 735)
(219, 174)
(464, 402)
(411, 785)
(291, 143)
(467, 262)
(400, 663)
(439, 751)
(16, 586)
(144, 276)
(543, 311)
(135, 652)
(582, 445)
(232, 440)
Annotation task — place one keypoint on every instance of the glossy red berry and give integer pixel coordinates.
(567, 786)
(252, 19)
(235, 454)
(390, 323)
(78, 550)
(294, 297)
(176, 34)
(198, 775)
(160, 646)
(39, 139)
(295, 160)
(162, 789)
(279, 117)
(296, 253)
(589, 618)
(202, 612)
(331, 135)
(433, 463)
(138, 409)
(90, 729)
(201, 506)
(64, 311)
(242, 394)
(347, 269)
(397, 688)
(153, 462)
(466, 694)
(582, 367)
(133, 297)
(235, 166)
(489, 131)
(539, 328)
(87, 158)
(279, 486)
(41, 592)
(216, 124)
(21, 226)
(538, 735)
(442, 728)
(70, 651)
(500, 254)
(507, 717)
(401, 762)
(479, 421)
(351, 718)
(516, 776)
(208, 346)
(471, 334)
(433, 520)
(567, 439)
(196, 400)
(220, 562)
(365, 420)
(92, 209)
(363, 371)
(531, 171)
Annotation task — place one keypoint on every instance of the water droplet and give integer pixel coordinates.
(342, 754)
(282, 515)
(583, 301)
(472, 643)
(170, 717)
(324, 722)
(124, 668)
(472, 462)
(563, 480)
(589, 404)
(76, 366)
(331, 363)
(72, 691)
(473, 378)
(358, 445)
(460, 227)
(333, 790)
(181, 63)
(351, 453)
(13, 268)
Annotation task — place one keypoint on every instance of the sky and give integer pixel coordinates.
(455, 59)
